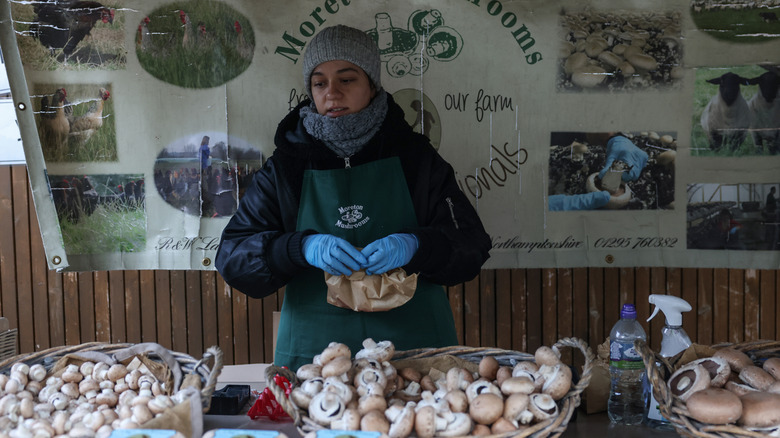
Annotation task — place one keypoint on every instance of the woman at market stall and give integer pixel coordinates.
(350, 187)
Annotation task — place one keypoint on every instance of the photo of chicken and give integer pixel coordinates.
(195, 44)
(143, 40)
(188, 38)
(53, 125)
(68, 34)
(242, 45)
(85, 125)
(77, 124)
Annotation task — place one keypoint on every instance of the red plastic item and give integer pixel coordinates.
(266, 404)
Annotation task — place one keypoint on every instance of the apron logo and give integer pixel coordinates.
(351, 217)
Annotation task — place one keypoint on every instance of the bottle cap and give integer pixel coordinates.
(628, 311)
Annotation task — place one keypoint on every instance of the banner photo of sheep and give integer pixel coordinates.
(735, 111)
(584, 133)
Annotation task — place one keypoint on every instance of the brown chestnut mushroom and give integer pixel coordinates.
(717, 367)
(772, 366)
(760, 409)
(687, 380)
(486, 408)
(739, 389)
(714, 406)
(375, 421)
(542, 406)
(488, 367)
(557, 380)
(756, 377)
(735, 358)
(546, 356)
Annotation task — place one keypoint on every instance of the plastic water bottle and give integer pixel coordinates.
(628, 389)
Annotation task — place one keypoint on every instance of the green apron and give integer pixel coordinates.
(359, 204)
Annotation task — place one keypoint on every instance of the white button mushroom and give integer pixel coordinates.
(326, 407)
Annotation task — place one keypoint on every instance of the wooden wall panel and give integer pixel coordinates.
(515, 309)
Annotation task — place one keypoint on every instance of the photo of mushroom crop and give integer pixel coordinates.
(619, 50)
(736, 111)
(577, 158)
(733, 216)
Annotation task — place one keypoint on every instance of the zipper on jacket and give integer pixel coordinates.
(346, 163)
(452, 211)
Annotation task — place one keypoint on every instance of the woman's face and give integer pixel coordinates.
(340, 88)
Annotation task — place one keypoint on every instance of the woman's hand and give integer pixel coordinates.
(332, 254)
(389, 253)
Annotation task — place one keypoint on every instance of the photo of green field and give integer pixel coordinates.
(737, 21)
(195, 44)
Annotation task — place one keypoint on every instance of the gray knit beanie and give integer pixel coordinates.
(342, 43)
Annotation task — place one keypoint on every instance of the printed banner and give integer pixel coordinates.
(586, 133)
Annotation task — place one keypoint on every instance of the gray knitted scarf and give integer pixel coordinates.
(347, 134)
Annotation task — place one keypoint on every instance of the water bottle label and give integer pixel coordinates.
(624, 356)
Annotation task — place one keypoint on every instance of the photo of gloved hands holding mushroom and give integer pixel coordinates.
(611, 171)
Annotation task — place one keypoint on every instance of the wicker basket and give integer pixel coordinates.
(8, 343)
(187, 364)
(674, 410)
(549, 428)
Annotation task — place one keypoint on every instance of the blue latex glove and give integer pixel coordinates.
(389, 253)
(332, 254)
(587, 201)
(622, 149)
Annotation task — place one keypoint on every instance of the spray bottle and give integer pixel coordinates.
(674, 340)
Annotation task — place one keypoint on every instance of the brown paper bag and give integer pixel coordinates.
(596, 394)
(371, 293)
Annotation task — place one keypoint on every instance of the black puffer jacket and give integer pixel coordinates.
(261, 250)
